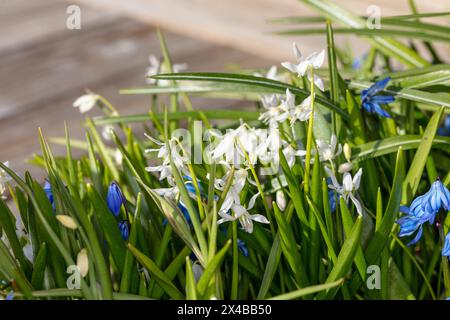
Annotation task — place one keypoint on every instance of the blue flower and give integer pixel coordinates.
(124, 229)
(423, 209)
(445, 129)
(371, 101)
(114, 199)
(10, 296)
(49, 194)
(357, 63)
(446, 248)
(242, 246)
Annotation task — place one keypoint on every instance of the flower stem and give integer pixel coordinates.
(235, 272)
(309, 138)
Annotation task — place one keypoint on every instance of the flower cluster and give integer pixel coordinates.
(424, 209)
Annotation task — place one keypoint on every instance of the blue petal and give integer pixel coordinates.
(382, 99)
(10, 296)
(446, 248)
(417, 237)
(376, 87)
(242, 247)
(114, 199)
(380, 111)
(404, 209)
(408, 225)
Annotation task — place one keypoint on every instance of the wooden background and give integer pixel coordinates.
(44, 66)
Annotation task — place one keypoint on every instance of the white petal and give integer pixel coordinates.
(259, 218)
(297, 53)
(347, 182)
(357, 179)
(252, 201)
(317, 59)
(318, 82)
(290, 66)
(356, 203)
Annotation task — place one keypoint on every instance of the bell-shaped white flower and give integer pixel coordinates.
(157, 67)
(86, 102)
(327, 151)
(301, 112)
(348, 188)
(276, 111)
(241, 213)
(179, 158)
(315, 61)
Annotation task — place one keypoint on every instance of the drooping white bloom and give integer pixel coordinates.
(107, 132)
(301, 112)
(86, 102)
(179, 158)
(276, 111)
(241, 213)
(4, 178)
(315, 61)
(348, 188)
(327, 151)
(157, 67)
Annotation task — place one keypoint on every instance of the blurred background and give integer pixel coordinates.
(44, 66)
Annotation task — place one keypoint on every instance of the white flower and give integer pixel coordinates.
(241, 213)
(301, 112)
(233, 144)
(86, 102)
(4, 178)
(276, 112)
(156, 67)
(315, 61)
(107, 132)
(348, 188)
(178, 157)
(327, 151)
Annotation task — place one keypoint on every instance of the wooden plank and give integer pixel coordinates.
(242, 23)
(39, 79)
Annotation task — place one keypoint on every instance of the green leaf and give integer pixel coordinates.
(414, 174)
(385, 44)
(40, 264)
(211, 268)
(307, 291)
(345, 258)
(191, 291)
(385, 146)
(159, 275)
(435, 99)
(272, 85)
(289, 247)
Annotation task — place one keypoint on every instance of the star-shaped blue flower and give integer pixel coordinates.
(371, 101)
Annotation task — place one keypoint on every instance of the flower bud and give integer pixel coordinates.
(83, 262)
(347, 152)
(281, 200)
(114, 199)
(124, 229)
(345, 167)
(67, 221)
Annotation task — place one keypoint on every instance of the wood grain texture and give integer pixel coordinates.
(243, 23)
(45, 67)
